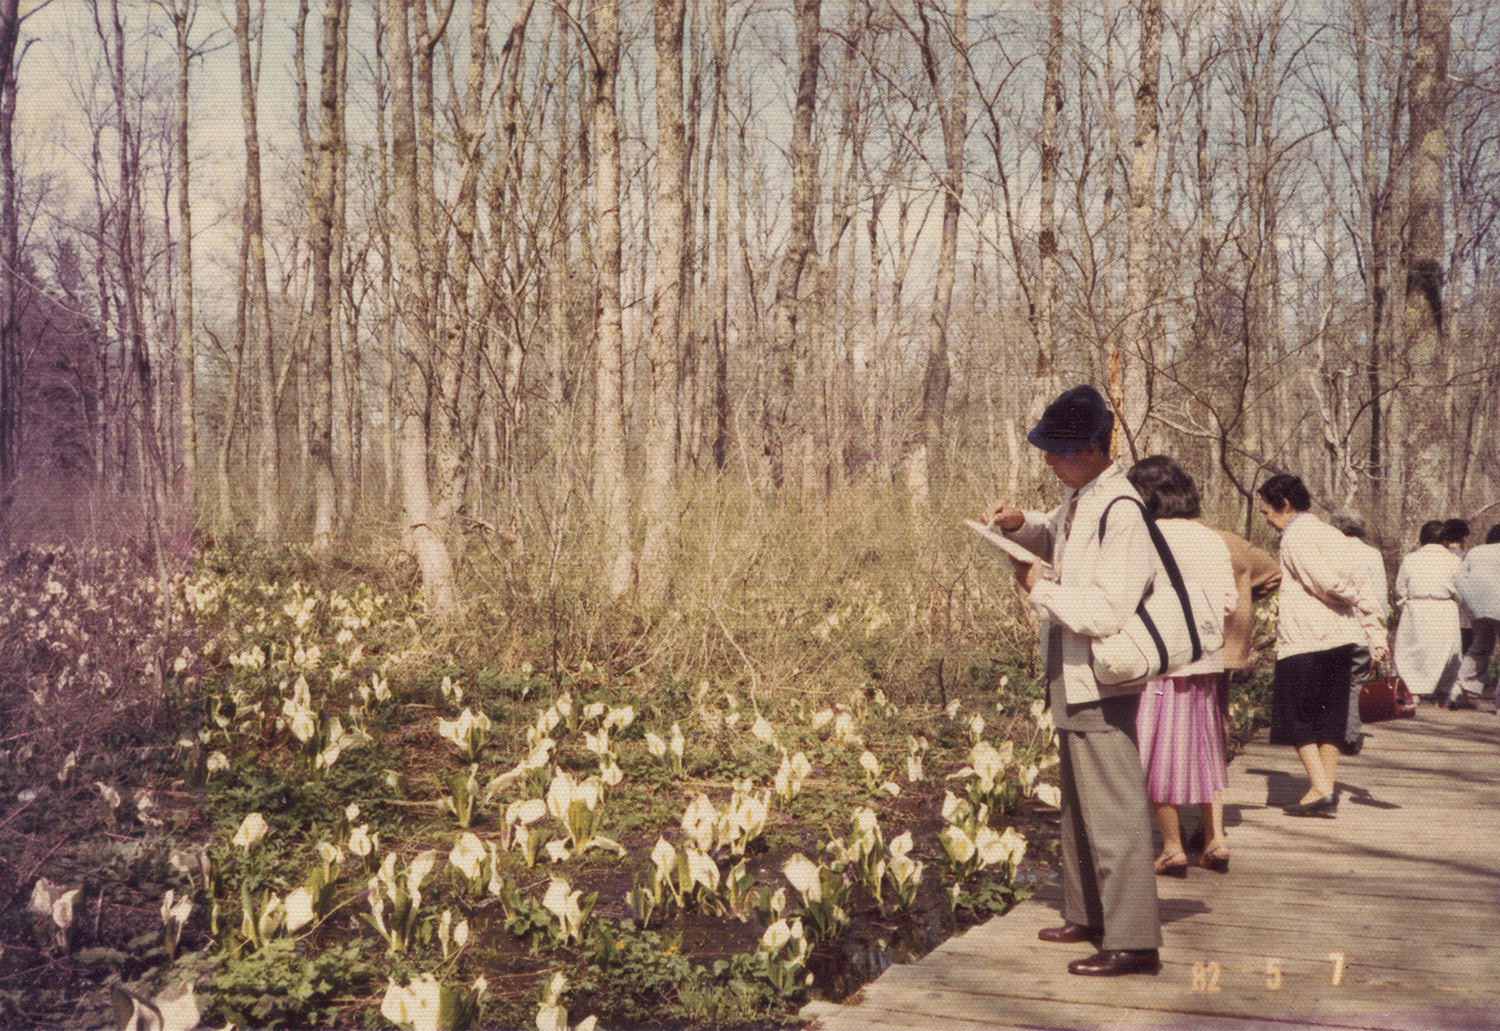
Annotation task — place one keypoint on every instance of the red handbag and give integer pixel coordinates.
(1385, 698)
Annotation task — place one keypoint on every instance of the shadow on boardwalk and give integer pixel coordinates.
(1386, 916)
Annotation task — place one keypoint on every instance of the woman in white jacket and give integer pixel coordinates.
(1178, 724)
(1325, 610)
(1428, 635)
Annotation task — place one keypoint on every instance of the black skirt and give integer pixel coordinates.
(1310, 698)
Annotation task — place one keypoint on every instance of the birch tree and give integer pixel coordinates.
(467, 289)
(258, 307)
(787, 410)
(322, 198)
(657, 508)
(611, 492)
(1133, 355)
(425, 537)
(182, 14)
(144, 420)
(952, 104)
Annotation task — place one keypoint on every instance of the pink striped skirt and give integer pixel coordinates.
(1181, 739)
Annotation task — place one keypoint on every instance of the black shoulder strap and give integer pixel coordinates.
(1174, 576)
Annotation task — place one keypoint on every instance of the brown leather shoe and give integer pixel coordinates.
(1069, 933)
(1114, 962)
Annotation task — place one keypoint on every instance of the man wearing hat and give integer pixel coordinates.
(1092, 586)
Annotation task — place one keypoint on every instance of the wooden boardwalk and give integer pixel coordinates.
(1387, 916)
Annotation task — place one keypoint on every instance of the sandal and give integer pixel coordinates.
(1175, 865)
(1215, 859)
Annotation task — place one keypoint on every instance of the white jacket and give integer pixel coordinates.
(1479, 581)
(1203, 558)
(1095, 585)
(1325, 601)
(1428, 574)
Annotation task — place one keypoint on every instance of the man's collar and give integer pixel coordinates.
(1108, 472)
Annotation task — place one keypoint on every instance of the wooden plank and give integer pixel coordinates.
(1401, 885)
(1376, 957)
(995, 997)
(980, 984)
(1446, 964)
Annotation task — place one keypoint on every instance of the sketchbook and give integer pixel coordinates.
(997, 539)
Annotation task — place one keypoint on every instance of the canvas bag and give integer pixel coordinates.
(1169, 630)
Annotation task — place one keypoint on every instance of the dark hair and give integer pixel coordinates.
(1493, 537)
(1434, 531)
(1285, 489)
(1166, 488)
(1348, 522)
(1455, 530)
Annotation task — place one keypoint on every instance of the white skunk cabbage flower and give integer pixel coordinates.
(252, 828)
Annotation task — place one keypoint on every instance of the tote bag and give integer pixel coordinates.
(1169, 630)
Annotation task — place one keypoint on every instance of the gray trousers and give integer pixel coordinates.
(1108, 854)
(1353, 729)
(1109, 881)
(1475, 665)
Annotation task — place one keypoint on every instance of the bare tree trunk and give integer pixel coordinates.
(236, 387)
(696, 370)
(718, 42)
(342, 430)
(657, 506)
(877, 425)
(425, 38)
(10, 349)
(787, 424)
(1375, 207)
(387, 320)
(559, 338)
(1423, 327)
(952, 115)
(1046, 292)
(468, 336)
(445, 439)
(182, 22)
(504, 252)
(1206, 335)
(346, 425)
(106, 447)
(1133, 401)
(258, 313)
(611, 492)
(438, 588)
(1101, 262)
(694, 201)
(322, 197)
(149, 456)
